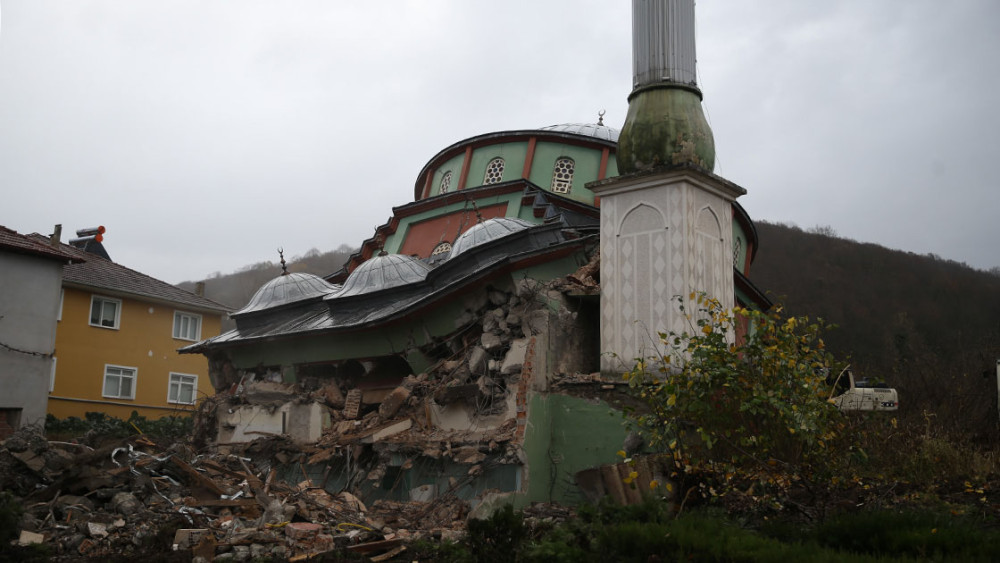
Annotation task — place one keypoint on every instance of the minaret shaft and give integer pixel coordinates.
(665, 125)
(663, 46)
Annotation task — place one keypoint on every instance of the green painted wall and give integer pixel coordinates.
(513, 155)
(454, 165)
(739, 235)
(612, 170)
(587, 165)
(566, 435)
(396, 338)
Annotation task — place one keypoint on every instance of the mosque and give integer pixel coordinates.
(473, 344)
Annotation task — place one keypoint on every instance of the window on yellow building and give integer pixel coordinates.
(183, 388)
(187, 326)
(105, 311)
(119, 382)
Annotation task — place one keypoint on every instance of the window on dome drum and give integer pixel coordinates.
(187, 326)
(445, 183)
(737, 247)
(105, 311)
(441, 248)
(119, 382)
(183, 389)
(494, 172)
(562, 175)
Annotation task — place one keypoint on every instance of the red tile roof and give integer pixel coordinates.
(37, 245)
(103, 274)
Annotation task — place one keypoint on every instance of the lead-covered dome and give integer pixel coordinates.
(285, 289)
(491, 229)
(596, 130)
(382, 272)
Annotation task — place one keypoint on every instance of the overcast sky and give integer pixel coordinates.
(206, 134)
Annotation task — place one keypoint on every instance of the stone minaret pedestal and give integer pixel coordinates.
(664, 233)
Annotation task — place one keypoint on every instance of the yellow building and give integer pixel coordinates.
(117, 338)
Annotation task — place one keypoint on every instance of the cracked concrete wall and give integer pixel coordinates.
(29, 305)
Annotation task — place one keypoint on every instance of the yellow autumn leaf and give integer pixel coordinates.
(653, 484)
(672, 400)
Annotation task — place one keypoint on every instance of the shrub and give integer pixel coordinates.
(719, 407)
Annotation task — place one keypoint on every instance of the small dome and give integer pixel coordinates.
(602, 132)
(287, 288)
(488, 230)
(382, 272)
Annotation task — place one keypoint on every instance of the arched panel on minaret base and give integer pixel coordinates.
(661, 237)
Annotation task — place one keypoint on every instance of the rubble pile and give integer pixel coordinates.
(134, 496)
(467, 408)
(361, 455)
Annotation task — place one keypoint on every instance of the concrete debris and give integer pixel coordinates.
(146, 488)
(361, 455)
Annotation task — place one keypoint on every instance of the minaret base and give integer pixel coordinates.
(664, 233)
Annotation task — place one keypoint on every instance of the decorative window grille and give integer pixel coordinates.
(445, 183)
(562, 176)
(494, 172)
(442, 248)
(737, 247)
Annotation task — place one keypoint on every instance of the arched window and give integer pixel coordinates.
(445, 183)
(562, 175)
(494, 172)
(737, 247)
(442, 248)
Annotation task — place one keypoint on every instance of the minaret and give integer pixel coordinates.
(666, 222)
(665, 124)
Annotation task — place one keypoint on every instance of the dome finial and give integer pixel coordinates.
(600, 117)
(284, 267)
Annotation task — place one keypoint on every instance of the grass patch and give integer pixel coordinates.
(637, 533)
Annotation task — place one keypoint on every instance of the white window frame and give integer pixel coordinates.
(52, 376)
(175, 397)
(134, 376)
(118, 311)
(176, 330)
(62, 294)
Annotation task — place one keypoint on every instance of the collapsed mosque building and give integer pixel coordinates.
(473, 347)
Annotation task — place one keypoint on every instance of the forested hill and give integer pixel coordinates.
(928, 326)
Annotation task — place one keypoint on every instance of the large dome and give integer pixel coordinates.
(488, 230)
(382, 272)
(287, 288)
(598, 131)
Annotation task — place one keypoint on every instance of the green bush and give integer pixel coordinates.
(923, 535)
(166, 428)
